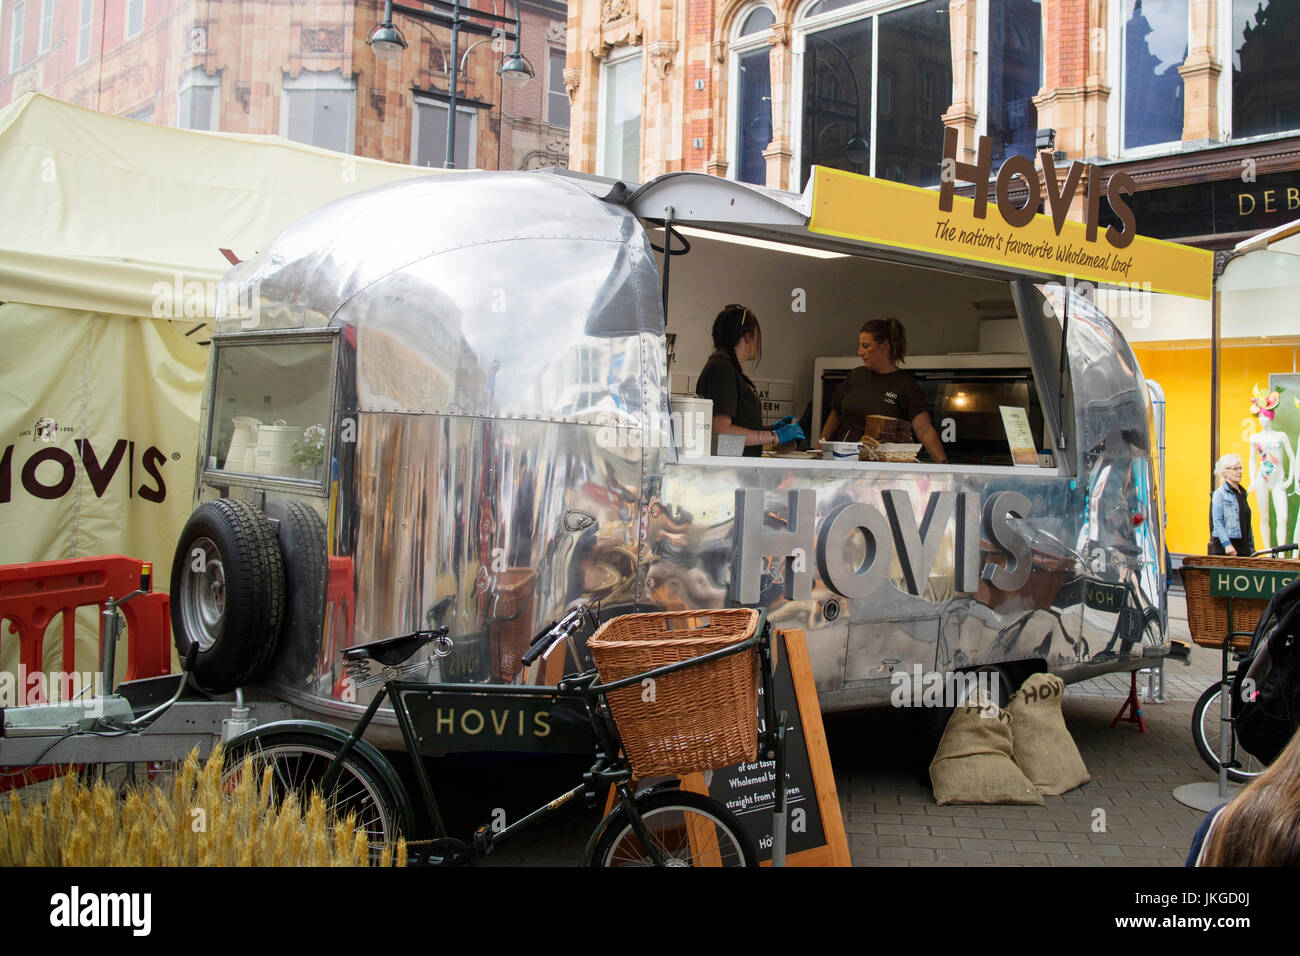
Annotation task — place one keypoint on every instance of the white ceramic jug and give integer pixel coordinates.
(243, 444)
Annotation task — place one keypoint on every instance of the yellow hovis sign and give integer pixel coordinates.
(907, 217)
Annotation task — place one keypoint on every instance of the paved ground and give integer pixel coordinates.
(892, 819)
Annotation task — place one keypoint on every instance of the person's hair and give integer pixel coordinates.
(733, 323)
(889, 331)
(1224, 463)
(1261, 827)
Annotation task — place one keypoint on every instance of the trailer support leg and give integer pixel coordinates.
(1132, 704)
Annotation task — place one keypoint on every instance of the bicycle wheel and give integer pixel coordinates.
(1206, 731)
(688, 829)
(298, 762)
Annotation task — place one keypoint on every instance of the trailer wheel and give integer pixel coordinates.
(302, 550)
(227, 593)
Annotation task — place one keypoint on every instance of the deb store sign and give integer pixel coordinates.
(895, 531)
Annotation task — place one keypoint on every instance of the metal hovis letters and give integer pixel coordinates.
(895, 531)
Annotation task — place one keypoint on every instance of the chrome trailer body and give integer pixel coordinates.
(490, 349)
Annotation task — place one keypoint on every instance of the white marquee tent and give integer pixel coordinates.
(111, 245)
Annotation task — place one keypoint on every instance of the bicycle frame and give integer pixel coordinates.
(610, 768)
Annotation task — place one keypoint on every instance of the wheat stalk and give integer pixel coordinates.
(243, 823)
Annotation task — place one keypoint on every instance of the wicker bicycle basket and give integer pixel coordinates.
(698, 718)
(1207, 616)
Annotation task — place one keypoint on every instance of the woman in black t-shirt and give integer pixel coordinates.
(736, 406)
(881, 388)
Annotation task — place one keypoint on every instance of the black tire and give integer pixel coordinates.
(299, 760)
(227, 593)
(1205, 732)
(671, 816)
(302, 543)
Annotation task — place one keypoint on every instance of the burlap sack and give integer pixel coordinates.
(974, 762)
(1044, 748)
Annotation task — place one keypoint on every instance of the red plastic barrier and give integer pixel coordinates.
(342, 613)
(32, 595)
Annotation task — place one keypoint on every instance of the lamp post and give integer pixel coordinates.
(388, 42)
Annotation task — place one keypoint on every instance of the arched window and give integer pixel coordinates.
(750, 129)
(873, 81)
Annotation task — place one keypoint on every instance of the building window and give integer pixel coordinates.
(1264, 44)
(1154, 46)
(751, 96)
(16, 38)
(134, 17)
(199, 101)
(557, 96)
(429, 136)
(618, 134)
(1015, 75)
(874, 88)
(84, 22)
(318, 108)
(47, 25)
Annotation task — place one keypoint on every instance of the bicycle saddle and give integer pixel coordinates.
(393, 650)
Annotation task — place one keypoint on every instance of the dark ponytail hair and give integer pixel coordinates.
(733, 323)
(891, 331)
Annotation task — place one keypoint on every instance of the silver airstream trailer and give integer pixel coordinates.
(447, 402)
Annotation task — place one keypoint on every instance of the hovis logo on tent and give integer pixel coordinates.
(49, 472)
(46, 430)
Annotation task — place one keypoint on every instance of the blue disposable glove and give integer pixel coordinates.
(789, 419)
(790, 431)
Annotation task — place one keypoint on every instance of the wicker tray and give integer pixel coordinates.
(700, 718)
(1207, 617)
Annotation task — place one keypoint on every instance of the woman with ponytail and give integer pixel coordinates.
(880, 387)
(736, 406)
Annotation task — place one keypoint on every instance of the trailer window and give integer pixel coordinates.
(270, 409)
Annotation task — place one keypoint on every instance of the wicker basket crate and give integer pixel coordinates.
(700, 718)
(1207, 616)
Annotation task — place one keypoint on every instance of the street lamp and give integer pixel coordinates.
(387, 42)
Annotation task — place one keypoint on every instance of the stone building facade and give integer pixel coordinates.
(297, 69)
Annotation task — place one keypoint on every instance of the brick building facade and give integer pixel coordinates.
(301, 70)
(1175, 93)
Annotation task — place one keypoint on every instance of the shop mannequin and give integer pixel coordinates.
(1272, 465)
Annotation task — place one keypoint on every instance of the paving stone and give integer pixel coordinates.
(983, 843)
(937, 843)
(908, 853)
(964, 856)
(936, 830)
(1020, 859)
(1035, 846)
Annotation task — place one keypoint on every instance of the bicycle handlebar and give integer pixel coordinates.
(1278, 550)
(559, 629)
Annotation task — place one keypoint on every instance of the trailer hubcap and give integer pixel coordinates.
(203, 598)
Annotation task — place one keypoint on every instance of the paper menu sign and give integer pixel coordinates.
(1015, 421)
